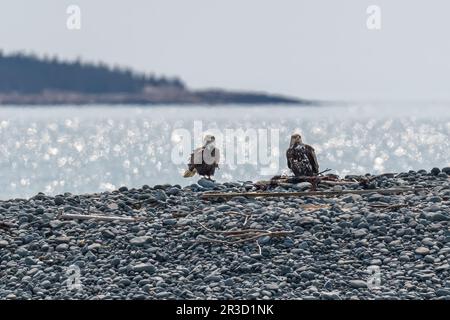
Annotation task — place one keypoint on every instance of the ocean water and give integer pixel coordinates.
(92, 149)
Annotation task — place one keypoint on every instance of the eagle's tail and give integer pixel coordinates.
(189, 173)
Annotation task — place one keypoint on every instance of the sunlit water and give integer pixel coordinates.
(90, 149)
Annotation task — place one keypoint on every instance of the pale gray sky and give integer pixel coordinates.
(306, 48)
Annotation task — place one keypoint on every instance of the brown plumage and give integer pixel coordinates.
(204, 160)
(301, 158)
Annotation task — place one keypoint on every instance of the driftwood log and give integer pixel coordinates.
(242, 236)
(71, 216)
(210, 195)
(329, 179)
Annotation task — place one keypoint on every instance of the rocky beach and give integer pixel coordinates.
(175, 244)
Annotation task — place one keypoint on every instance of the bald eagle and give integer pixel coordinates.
(301, 158)
(204, 160)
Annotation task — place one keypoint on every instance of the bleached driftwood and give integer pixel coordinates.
(245, 235)
(71, 216)
(210, 195)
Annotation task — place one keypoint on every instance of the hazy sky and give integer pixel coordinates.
(312, 49)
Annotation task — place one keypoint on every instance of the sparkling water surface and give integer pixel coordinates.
(92, 149)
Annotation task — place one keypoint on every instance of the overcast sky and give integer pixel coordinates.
(306, 48)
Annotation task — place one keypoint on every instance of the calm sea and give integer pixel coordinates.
(91, 149)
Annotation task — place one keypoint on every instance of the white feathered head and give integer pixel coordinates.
(296, 139)
(209, 140)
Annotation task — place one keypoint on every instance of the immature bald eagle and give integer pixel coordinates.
(204, 160)
(301, 158)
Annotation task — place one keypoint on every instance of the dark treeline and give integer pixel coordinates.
(29, 74)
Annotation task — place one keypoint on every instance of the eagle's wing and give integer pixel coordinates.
(191, 162)
(312, 158)
(216, 157)
(288, 158)
(196, 158)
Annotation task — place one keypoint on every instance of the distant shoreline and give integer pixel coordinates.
(29, 80)
(154, 97)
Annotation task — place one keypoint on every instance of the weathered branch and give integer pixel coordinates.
(70, 216)
(247, 216)
(259, 247)
(306, 193)
(248, 234)
(390, 207)
(340, 183)
(232, 232)
(270, 234)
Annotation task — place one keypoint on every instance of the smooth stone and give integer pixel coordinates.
(264, 240)
(22, 252)
(173, 191)
(48, 215)
(115, 262)
(29, 261)
(375, 197)
(303, 221)
(62, 247)
(435, 171)
(229, 282)
(422, 251)
(351, 198)
(435, 199)
(273, 286)
(59, 201)
(55, 224)
(207, 184)
(46, 284)
(213, 278)
(303, 186)
(162, 256)
(160, 195)
(360, 233)
(90, 256)
(437, 217)
(428, 242)
(125, 282)
(288, 243)
(161, 295)
(223, 207)
(94, 246)
(62, 239)
(108, 234)
(330, 296)
(149, 268)
(113, 206)
(444, 267)
(443, 292)
(357, 284)
(376, 262)
(169, 222)
(139, 241)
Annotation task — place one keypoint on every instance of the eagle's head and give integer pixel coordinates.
(295, 139)
(209, 140)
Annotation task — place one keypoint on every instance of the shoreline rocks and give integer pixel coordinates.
(334, 248)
